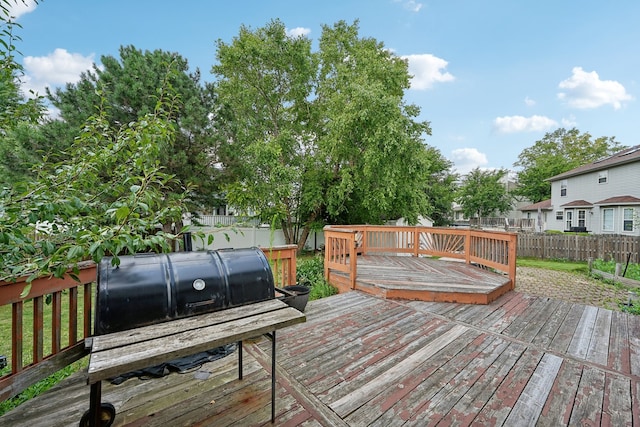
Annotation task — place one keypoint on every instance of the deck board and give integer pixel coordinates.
(362, 360)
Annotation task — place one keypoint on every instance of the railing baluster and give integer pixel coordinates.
(38, 329)
(73, 316)
(56, 320)
(87, 301)
(16, 336)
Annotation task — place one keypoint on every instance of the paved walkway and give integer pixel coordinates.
(572, 287)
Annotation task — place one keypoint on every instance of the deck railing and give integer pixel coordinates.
(48, 303)
(54, 305)
(490, 249)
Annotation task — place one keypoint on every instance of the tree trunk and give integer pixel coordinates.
(303, 237)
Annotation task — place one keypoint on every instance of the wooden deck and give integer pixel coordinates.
(361, 360)
(425, 279)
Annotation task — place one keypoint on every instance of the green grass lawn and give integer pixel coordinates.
(557, 265)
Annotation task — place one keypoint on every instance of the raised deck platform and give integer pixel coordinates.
(425, 279)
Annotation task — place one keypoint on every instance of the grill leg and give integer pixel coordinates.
(240, 360)
(95, 399)
(273, 377)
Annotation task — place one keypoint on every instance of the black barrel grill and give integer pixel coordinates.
(152, 288)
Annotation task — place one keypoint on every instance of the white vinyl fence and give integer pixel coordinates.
(245, 237)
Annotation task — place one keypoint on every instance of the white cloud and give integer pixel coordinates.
(17, 8)
(569, 122)
(412, 5)
(426, 70)
(467, 159)
(55, 69)
(513, 124)
(585, 90)
(298, 32)
(529, 102)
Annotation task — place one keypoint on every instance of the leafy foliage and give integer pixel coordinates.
(107, 200)
(482, 194)
(558, 152)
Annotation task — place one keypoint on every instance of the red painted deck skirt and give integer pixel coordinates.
(424, 279)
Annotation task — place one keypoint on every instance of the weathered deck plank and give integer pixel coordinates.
(619, 351)
(617, 407)
(527, 409)
(587, 408)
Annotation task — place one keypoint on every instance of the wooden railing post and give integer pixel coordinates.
(513, 246)
(285, 259)
(467, 247)
(353, 254)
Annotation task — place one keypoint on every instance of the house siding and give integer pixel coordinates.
(622, 180)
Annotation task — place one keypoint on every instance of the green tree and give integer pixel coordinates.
(323, 136)
(483, 194)
(555, 153)
(264, 83)
(129, 88)
(441, 189)
(19, 115)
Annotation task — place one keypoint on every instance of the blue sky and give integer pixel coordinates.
(492, 76)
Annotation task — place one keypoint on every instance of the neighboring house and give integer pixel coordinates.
(540, 212)
(602, 197)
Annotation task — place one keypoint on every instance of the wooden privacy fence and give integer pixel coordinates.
(577, 247)
(492, 249)
(55, 305)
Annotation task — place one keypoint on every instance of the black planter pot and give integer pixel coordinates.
(297, 296)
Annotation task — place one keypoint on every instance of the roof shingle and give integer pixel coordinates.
(629, 155)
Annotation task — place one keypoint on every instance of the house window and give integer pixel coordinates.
(607, 219)
(563, 188)
(602, 177)
(568, 220)
(627, 219)
(582, 218)
(559, 215)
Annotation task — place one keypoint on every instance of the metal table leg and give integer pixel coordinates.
(273, 377)
(240, 360)
(95, 403)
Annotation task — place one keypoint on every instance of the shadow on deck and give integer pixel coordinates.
(361, 360)
(425, 279)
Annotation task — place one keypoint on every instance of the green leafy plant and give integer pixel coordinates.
(310, 272)
(108, 199)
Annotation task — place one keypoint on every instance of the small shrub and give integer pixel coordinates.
(310, 272)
